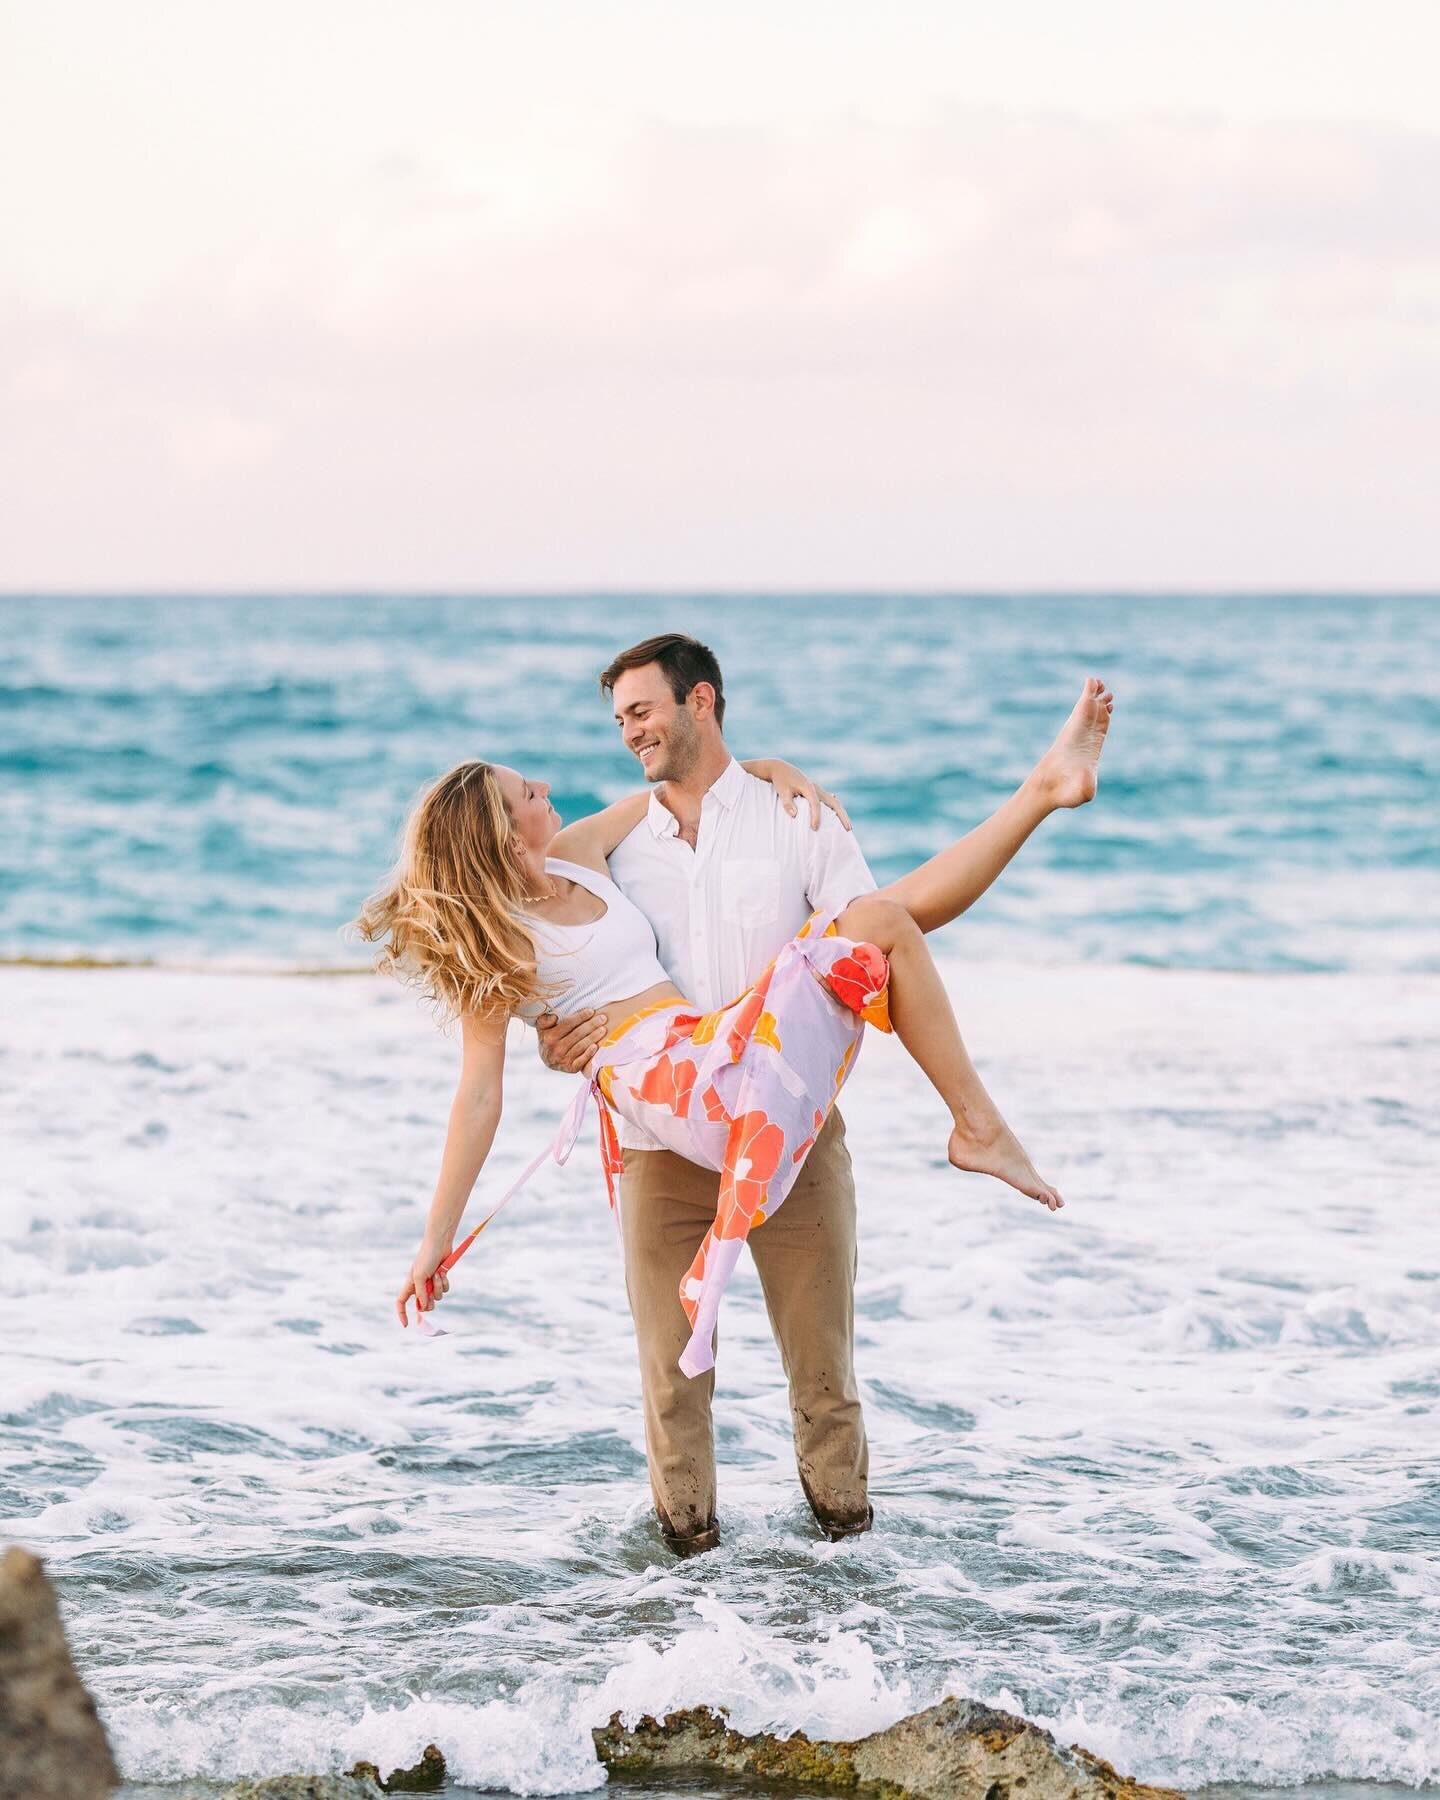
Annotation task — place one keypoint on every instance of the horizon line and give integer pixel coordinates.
(756, 591)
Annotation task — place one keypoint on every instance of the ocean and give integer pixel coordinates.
(1159, 1471)
(223, 779)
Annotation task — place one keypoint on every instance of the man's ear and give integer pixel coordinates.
(703, 695)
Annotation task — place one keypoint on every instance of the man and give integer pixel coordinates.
(726, 877)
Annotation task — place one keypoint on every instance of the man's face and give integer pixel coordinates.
(658, 730)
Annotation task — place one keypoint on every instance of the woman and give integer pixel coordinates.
(496, 911)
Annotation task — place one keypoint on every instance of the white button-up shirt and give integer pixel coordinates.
(722, 910)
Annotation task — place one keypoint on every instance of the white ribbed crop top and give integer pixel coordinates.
(605, 959)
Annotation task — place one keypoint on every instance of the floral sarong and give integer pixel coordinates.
(745, 1090)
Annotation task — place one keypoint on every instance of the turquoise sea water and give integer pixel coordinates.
(225, 778)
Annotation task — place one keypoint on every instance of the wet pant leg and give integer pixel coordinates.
(806, 1256)
(667, 1204)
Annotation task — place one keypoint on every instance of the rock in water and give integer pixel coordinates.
(958, 1750)
(304, 1787)
(52, 1744)
(363, 1782)
(426, 1777)
(961, 1747)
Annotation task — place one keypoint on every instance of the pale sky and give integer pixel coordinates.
(611, 293)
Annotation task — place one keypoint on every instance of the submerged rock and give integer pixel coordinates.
(958, 1750)
(425, 1777)
(304, 1787)
(363, 1782)
(52, 1744)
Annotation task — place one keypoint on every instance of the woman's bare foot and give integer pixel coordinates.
(1068, 769)
(1000, 1155)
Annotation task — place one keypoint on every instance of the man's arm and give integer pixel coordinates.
(566, 1045)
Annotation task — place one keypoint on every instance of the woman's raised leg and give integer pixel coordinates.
(925, 1023)
(942, 888)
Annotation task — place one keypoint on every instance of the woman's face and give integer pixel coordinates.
(536, 820)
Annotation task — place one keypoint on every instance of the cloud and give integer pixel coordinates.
(987, 346)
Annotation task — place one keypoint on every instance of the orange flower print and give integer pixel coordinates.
(705, 1027)
(804, 1150)
(612, 1157)
(748, 1015)
(845, 1062)
(668, 1083)
(680, 1029)
(751, 1158)
(876, 1011)
(860, 979)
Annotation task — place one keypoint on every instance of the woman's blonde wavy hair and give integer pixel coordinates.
(447, 914)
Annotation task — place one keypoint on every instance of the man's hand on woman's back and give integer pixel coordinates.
(566, 1045)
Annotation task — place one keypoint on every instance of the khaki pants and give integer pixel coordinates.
(805, 1256)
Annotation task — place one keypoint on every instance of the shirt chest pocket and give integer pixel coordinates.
(749, 891)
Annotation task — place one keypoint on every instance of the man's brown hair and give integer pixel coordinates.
(684, 661)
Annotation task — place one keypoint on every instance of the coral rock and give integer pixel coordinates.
(958, 1750)
(425, 1777)
(304, 1787)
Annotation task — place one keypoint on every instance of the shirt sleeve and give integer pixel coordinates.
(837, 871)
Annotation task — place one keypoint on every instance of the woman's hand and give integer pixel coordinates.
(425, 1271)
(793, 784)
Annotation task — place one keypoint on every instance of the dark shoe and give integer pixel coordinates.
(835, 1529)
(692, 1543)
(836, 1526)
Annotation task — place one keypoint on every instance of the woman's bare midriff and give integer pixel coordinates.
(618, 1011)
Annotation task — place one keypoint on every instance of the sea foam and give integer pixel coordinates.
(1153, 1470)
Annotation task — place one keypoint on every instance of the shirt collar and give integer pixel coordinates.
(727, 788)
(728, 785)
